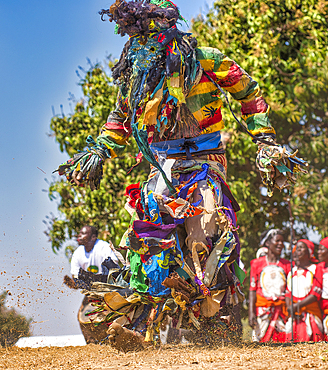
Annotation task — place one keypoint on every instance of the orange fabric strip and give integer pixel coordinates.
(263, 302)
(311, 308)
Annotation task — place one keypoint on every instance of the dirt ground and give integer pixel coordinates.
(102, 357)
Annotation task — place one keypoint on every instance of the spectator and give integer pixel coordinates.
(89, 257)
(307, 325)
(91, 252)
(323, 270)
(267, 309)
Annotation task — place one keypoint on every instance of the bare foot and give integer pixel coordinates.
(124, 339)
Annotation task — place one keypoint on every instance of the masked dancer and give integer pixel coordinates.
(182, 241)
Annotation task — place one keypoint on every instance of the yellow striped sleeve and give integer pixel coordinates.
(202, 88)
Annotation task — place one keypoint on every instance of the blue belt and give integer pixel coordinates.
(191, 145)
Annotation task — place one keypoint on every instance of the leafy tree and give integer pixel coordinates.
(80, 206)
(12, 325)
(283, 45)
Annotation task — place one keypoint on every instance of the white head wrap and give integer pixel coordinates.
(268, 236)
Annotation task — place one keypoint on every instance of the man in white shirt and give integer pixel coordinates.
(89, 256)
(92, 252)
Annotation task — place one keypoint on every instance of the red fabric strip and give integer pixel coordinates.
(234, 75)
(257, 105)
(118, 126)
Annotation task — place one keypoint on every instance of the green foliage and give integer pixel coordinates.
(79, 206)
(12, 325)
(284, 46)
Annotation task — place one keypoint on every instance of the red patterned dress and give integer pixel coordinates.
(307, 324)
(269, 280)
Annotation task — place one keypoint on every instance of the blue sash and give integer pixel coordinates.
(193, 145)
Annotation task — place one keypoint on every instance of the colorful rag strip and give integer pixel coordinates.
(181, 208)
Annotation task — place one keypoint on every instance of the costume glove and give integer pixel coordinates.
(86, 166)
(278, 167)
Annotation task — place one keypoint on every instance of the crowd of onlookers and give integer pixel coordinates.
(289, 299)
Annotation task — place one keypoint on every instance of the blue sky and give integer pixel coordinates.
(42, 44)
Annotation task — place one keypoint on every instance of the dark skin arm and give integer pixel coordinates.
(298, 305)
(288, 300)
(252, 309)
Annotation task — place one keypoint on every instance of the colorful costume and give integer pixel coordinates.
(308, 321)
(269, 281)
(182, 242)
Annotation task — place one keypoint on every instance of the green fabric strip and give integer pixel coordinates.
(283, 168)
(239, 272)
(259, 120)
(203, 53)
(137, 280)
(109, 143)
(196, 102)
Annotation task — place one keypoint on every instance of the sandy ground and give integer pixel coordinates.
(243, 356)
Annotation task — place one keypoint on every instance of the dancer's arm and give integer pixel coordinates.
(87, 166)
